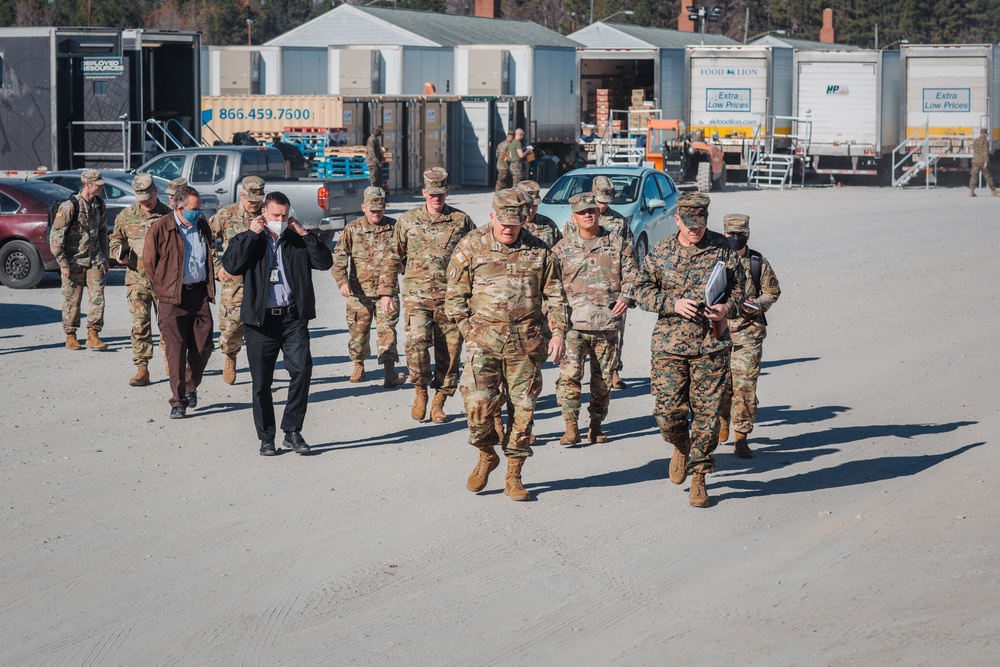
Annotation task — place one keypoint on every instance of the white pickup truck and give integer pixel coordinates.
(323, 206)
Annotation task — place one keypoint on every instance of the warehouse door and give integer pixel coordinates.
(475, 143)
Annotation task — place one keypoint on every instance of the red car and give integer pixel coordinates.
(24, 215)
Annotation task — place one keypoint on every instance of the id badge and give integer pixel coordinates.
(274, 277)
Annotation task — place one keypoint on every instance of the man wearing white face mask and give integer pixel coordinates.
(276, 256)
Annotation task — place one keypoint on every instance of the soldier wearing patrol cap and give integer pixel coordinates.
(126, 244)
(79, 243)
(172, 188)
(424, 238)
(690, 363)
(748, 330)
(362, 249)
(226, 224)
(541, 226)
(498, 280)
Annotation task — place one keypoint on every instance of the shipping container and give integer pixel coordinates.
(390, 70)
(244, 70)
(227, 115)
(851, 100)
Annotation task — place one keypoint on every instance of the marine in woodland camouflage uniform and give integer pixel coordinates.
(748, 331)
(374, 157)
(424, 239)
(598, 275)
(127, 240)
(361, 251)
(690, 365)
(172, 188)
(498, 279)
(981, 164)
(227, 223)
(79, 243)
(503, 168)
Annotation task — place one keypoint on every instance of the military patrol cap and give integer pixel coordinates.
(583, 202)
(175, 185)
(693, 209)
(736, 223)
(508, 206)
(375, 199)
(603, 189)
(91, 176)
(253, 188)
(143, 186)
(530, 188)
(436, 181)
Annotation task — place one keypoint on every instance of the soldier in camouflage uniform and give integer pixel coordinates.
(374, 157)
(981, 163)
(361, 251)
(748, 331)
(516, 153)
(424, 239)
(172, 188)
(226, 224)
(503, 169)
(126, 244)
(598, 274)
(498, 279)
(79, 242)
(690, 362)
(541, 227)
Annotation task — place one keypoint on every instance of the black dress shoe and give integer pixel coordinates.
(177, 413)
(267, 447)
(192, 399)
(295, 442)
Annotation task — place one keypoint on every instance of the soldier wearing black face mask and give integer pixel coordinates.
(748, 332)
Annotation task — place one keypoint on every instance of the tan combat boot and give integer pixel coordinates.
(572, 435)
(141, 378)
(617, 382)
(437, 408)
(513, 488)
(71, 342)
(229, 369)
(488, 462)
(678, 462)
(723, 430)
(359, 372)
(94, 341)
(698, 496)
(994, 192)
(972, 192)
(742, 448)
(392, 378)
(419, 409)
(594, 433)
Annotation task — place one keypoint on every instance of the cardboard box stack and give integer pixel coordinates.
(603, 107)
(639, 111)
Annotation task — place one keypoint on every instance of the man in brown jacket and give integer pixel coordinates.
(180, 260)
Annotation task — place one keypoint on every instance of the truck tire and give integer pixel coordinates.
(20, 265)
(720, 183)
(704, 179)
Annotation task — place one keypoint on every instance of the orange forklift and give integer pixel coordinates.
(685, 157)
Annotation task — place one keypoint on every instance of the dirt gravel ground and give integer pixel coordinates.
(864, 531)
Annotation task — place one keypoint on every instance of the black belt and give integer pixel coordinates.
(277, 312)
(194, 285)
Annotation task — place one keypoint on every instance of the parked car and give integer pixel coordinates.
(646, 197)
(24, 217)
(118, 194)
(320, 205)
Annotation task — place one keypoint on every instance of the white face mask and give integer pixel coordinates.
(277, 227)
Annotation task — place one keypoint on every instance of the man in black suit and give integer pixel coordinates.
(275, 256)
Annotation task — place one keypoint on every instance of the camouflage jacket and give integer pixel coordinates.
(227, 223)
(748, 328)
(595, 278)
(360, 253)
(611, 220)
(980, 151)
(495, 291)
(373, 151)
(81, 242)
(129, 234)
(425, 243)
(502, 154)
(673, 271)
(543, 228)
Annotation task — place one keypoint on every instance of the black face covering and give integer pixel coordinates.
(738, 242)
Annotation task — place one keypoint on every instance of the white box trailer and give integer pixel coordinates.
(852, 100)
(734, 89)
(660, 70)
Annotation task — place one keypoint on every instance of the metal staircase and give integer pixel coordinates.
(771, 159)
(622, 151)
(913, 157)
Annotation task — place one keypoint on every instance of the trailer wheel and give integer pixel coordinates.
(704, 179)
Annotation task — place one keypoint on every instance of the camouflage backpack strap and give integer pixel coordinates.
(756, 263)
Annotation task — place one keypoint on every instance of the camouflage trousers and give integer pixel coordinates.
(490, 378)
(141, 303)
(230, 324)
(695, 385)
(600, 346)
(987, 176)
(72, 290)
(621, 343)
(428, 327)
(361, 310)
(740, 401)
(503, 176)
(516, 172)
(375, 175)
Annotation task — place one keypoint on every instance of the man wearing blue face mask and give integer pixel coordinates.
(179, 258)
